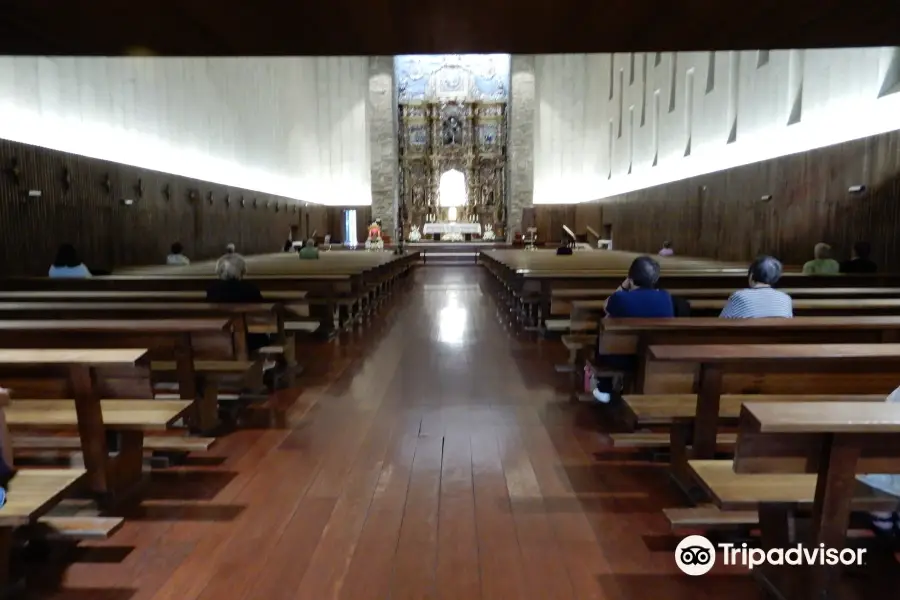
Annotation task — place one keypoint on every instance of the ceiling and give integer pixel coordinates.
(335, 27)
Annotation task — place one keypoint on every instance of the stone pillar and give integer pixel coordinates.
(382, 117)
(521, 140)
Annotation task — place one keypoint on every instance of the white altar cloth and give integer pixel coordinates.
(443, 228)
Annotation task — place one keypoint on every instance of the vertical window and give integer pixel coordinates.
(711, 72)
(762, 58)
(673, 81)
(631, 72)
(657, 60)
(644, 92)
(621, 99)
(612, 74)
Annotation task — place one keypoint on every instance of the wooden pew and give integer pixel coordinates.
(635, 336)
(806, 456)
(801, 368)
(588, 300)
(531, 277)
(108, 476)
(188, 348)
(32, 494)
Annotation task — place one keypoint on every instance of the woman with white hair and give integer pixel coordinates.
(232, 288)
(822, 264)
(232, 255)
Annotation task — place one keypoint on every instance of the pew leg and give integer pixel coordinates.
(91, 430)
(206, 407)
(679, 454)
(127, 465)
(8, 587)
(777, 530)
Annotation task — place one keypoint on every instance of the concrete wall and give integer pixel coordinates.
(610, 124)
(294, 127)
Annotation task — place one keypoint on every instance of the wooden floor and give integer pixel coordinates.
(434, 457)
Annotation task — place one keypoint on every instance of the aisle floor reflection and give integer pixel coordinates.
(452, 321)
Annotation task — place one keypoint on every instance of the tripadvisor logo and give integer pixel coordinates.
(696, 555)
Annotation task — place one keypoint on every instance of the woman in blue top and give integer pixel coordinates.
(68, 265)
(637, 297)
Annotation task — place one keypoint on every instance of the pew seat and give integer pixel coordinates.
(660, 409)
(33, 492)
(152, 443)
(207, 366)
(569, 325)
(76, 528)
(709, 516)
(575, 342)
(140, 415)
(661, 440)
(746, 491)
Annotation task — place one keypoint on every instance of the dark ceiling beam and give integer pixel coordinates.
(347, 27)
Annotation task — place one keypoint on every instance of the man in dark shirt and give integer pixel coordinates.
(859, 261)
(637, 297)
(231, 288)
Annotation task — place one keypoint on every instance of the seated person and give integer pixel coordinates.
(67, 265)
(822, 264)
(859, 260)
(885, 523)
(6, 470)
(232, 255)
(564, 249)
(232, 288)
(667, 249)
(760, 300)
(309, 250)
(637, 297)
(176, 255)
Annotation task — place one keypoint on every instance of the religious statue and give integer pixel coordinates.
(418, 198)
(414, 234)
(375, 241)
(501, 214)
(452, 132)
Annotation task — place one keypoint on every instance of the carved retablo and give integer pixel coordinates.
(452, 117)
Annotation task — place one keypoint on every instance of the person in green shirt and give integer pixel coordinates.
(309, 250)
(822, 264)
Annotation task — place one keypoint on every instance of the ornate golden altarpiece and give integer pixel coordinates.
(453, 134)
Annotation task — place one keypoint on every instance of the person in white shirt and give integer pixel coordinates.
(234, 258)
(667, 249)
(67, 265)
(176, 255)
(760, 300)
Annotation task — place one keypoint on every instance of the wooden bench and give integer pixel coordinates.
(537, 275)
(189, 342)
(665, 409)
(806, 455)
(108, 476)
(31, 494)
(803, 368)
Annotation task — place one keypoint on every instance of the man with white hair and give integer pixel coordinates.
(232, 255)
(232, 288)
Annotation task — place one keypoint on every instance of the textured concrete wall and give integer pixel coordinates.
(521, 140)
(612, 124)
(287, 126)
(382, 114)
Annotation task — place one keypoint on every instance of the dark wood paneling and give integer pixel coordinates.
(106, 232)
(722, 215)
(359, 27)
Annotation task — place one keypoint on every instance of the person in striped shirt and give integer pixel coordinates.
(760, 300)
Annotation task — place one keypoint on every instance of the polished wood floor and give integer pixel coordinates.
(435, 456)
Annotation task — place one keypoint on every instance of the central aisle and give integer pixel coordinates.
(433, 457)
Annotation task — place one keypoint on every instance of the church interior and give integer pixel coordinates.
(426, 301)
